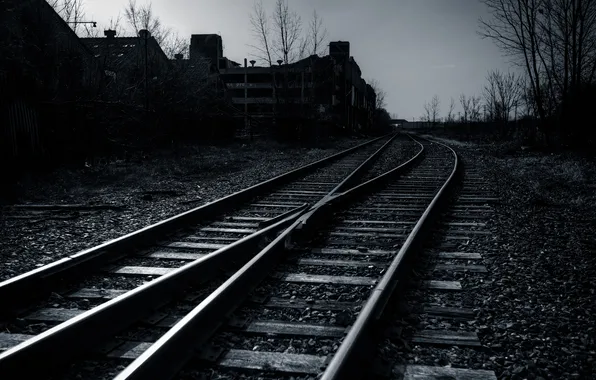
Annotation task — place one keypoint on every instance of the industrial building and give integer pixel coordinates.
(327, 89)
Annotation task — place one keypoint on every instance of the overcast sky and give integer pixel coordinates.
(414, 48)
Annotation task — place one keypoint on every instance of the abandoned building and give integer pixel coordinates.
(129, 64)
(328, 89)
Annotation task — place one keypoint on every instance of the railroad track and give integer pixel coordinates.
(133, 276)
(433, 333)
(307, 304)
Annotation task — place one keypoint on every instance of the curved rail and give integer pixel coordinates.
(18, 291)
(166, 356)
(348, 356)
(119, 313)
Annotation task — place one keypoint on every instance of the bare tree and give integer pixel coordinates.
(466, 105)
(515, 27)
(554, 41)
(71, 11)
(288, 26)
(502, 94)
(434, 108)
(427, 112)
(140, 17)
(261, 30)
(431, 109)
(318, 34)
(281, 35)
(450, 110)
(379, 93)
(475, 108)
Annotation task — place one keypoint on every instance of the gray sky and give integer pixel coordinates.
(414, 48)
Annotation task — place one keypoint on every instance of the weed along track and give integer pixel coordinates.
(100, 301)
(308, 302)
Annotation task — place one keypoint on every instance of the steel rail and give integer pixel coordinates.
(350, 357)
(352, 177)
(167, 356)
(71, 338)
(318, 216)
(119, 313)
(22, 289)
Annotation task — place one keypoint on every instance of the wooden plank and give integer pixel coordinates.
(445, 337)
(455, 237)
(168, 322)
(460, 255)
(325, 279)
(368, 234)
(212, 239)
(397, 194)
(249, 218)
(421, 372)
(461, 268)
(129, 350)
(273, 361)
(347, 251)
(92, 293)
(371, 243)
(53, 315)
(175, 255)
(141, 271)
(315, 183)
(341, 263)
(449, 312)
(379, 222)
(193, 245)
(288, 197)
(283, 303)
(294, 329)
(8, 340)
(300, 192)
(383, 209)
(443, 285)
(370, 229)
(228, 230)
(365, 213)
(278, 205)
(235, 224)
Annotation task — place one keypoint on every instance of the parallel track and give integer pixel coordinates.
(233, 236)
(338, 266)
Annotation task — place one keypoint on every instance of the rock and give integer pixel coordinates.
(519, 370)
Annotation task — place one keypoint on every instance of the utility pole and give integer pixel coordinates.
(146, 35)
(245, 94)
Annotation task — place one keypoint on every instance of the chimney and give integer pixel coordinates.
(144, 33)
(178, 56)
(109, 33)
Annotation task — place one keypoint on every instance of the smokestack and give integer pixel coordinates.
(109, 33)
(144, 33)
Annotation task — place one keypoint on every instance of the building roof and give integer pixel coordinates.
(115, 50)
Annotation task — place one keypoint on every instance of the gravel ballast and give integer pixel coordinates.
(537, 303)
(157, 188)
